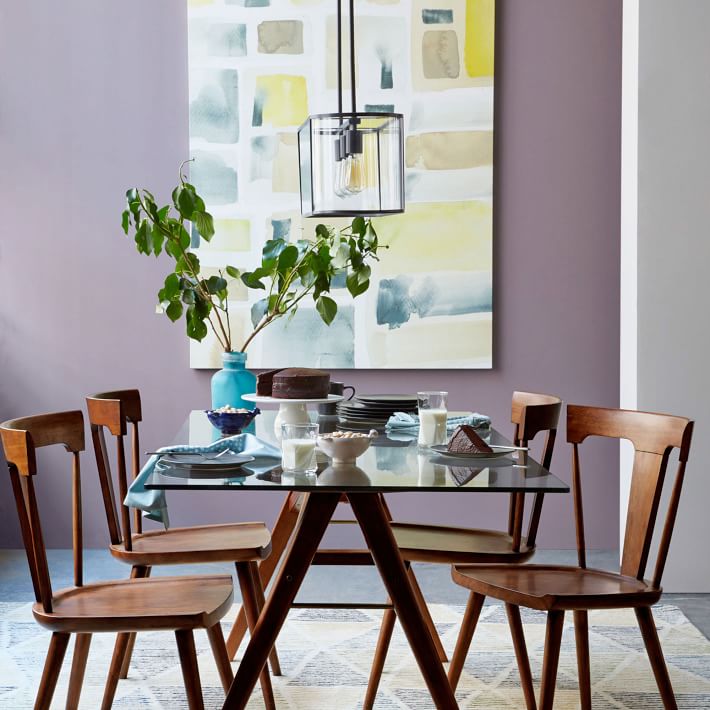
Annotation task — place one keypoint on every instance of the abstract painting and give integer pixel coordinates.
(258, 68)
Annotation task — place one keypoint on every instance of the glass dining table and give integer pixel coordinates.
(394, 463)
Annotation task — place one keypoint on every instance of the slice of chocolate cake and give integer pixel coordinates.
(264, 383)
(465, 440)
(300, 383)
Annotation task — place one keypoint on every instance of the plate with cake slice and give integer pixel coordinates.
(466, 443)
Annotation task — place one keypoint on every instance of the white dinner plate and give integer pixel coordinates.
(225, 462)
(443, 451)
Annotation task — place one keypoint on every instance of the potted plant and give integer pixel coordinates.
(288, 273)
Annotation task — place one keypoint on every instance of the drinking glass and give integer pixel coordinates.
(298, 448)
(432, 418)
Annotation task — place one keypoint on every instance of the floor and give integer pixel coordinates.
(321, 584)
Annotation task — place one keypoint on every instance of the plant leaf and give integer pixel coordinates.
(174, 310)
(327, 308)
(272, 249)
(205, 224)
(359, 225)
(126, 220)
(287, 258)
(233, 272)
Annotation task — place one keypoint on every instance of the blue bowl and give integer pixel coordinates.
(231, 423)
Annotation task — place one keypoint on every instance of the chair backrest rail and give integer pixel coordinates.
(653, 436)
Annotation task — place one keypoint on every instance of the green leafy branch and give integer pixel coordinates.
(288, 271)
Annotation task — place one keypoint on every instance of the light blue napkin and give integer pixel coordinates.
(401, 422)
(152, 502)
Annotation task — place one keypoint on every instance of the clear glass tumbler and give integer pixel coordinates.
(432, 418)
(298, 448)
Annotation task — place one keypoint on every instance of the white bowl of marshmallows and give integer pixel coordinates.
(345, 446)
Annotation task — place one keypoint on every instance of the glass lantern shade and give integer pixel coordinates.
(351, 164)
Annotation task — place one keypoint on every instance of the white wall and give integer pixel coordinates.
(673, 253)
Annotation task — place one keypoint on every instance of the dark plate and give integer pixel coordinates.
(387, 398)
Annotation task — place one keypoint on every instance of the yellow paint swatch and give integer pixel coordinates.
(229, 235)
(436, 236)
(284, 97)
(450, 150)
(480, 37)
(434, 342)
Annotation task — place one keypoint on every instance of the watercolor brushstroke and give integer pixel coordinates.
(230, 235)
(214, 110)
(480, 38)
(280, 100)
(437, 16)
(217, 39)
(283, 344)
(450, 150)
(213, 178)
(436, 236)
(448, 185)
(405, 297)
(280, 37)
(433, 343)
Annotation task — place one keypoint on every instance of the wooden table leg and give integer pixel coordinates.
(317, 510)
(280, 535)
(372, 517)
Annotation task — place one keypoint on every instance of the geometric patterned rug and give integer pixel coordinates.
(326, 655)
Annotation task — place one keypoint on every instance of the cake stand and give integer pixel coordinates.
(291, 411)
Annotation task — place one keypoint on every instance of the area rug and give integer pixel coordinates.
(326, 656)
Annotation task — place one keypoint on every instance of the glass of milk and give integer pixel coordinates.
(298, 448)
(432, 418)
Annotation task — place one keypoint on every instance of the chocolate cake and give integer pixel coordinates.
(465, 440)
(300, 383)
(264, 382)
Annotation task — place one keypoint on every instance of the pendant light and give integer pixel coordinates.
(352, 163)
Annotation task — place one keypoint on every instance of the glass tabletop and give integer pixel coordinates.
(394, 462)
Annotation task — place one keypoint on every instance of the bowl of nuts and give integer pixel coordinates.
(345, 446)
(231, 420)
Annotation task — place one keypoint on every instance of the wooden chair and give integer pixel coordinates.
(179, 604)
(241, 543)
(531, 414)
(556, 589)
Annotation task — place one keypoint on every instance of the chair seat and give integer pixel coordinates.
(139, 605)
(239, 542)
(451, 545)
(548, 587)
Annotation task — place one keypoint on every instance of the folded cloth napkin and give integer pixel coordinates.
(401, 422)
(152, 502)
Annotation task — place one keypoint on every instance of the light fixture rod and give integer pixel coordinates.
(352, 56)
(340, 57)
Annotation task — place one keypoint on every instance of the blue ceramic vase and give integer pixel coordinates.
(233, 381)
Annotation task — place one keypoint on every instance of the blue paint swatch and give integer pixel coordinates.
(446, 294)
(281, 229)
(379, 108)
(437, 17)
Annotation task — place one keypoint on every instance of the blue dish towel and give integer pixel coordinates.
(401, 422)
(152, 502)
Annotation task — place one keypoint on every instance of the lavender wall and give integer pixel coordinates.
(94, 99)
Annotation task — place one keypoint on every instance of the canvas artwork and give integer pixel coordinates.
(258, 68)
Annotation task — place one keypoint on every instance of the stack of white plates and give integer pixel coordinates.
(375, 409)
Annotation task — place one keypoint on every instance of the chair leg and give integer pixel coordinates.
(463, 643)
(114, 671)
(137, 572)
(553, 639)
(421, 602)
(378, 662)
(249, 603)
(260, 601)
(655, 656)
(52, 666)
(581, 637)
(219, 651)
(521, 654)
(190, 672)
(78, 667)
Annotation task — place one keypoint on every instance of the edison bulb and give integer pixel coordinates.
(355, 175)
